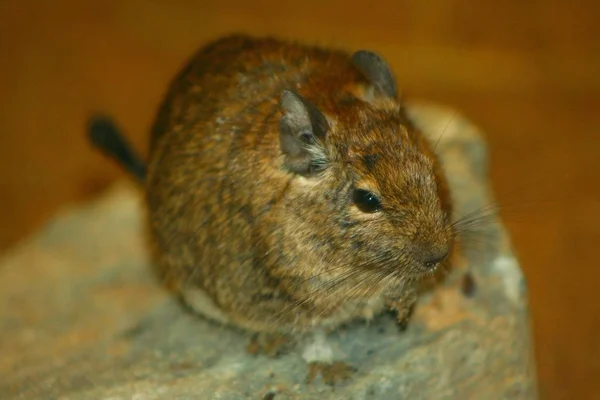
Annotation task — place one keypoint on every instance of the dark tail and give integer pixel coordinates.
(105, 136)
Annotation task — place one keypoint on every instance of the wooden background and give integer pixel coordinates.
(527, 72)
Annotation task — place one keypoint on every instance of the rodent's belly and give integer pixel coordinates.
(201, 303)
(365, 309)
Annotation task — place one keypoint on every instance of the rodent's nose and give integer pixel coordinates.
(432, 256)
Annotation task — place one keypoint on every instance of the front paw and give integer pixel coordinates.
(271, 345)
(403, 320)
(404, 309)
(331, 373)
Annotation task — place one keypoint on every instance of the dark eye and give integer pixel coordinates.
(366, 201)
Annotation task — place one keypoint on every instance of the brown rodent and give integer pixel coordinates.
(287, 189)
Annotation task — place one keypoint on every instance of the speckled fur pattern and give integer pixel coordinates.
(270, 250)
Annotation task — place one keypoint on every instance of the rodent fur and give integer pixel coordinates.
(259, 221)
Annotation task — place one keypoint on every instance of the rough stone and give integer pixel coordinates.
(82, 316)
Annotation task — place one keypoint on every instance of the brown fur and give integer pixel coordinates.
(276, 251)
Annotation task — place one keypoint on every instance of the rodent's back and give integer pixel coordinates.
(239, 73)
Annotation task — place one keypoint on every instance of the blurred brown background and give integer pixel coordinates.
(527, 72)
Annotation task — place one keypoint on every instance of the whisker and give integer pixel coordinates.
(325, 288)
(444, 130)
(309, 296)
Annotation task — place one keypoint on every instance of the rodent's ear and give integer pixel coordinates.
(301, 132)
(377, 72)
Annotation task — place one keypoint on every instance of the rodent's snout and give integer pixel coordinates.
(431, 256)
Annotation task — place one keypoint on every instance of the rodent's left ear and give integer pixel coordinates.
(377, 72)
(302, 130)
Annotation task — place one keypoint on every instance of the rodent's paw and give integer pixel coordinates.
(331, 373)
(403, 309)
(402, 320)
(270, 344)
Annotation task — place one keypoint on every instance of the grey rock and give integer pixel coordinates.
(82, 316)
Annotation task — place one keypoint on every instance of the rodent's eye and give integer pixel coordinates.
(366, 201)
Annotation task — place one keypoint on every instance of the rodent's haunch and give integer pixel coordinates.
(287, 188)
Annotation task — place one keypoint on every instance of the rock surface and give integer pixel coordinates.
(82, 316)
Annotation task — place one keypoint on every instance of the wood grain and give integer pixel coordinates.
(526, 72)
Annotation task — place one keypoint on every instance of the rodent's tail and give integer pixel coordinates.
(104, 135)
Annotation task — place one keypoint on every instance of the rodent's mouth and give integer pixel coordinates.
(422, 273)
(419, 271)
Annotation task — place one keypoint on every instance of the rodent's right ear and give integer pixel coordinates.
(301, 132)
(377, 71)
